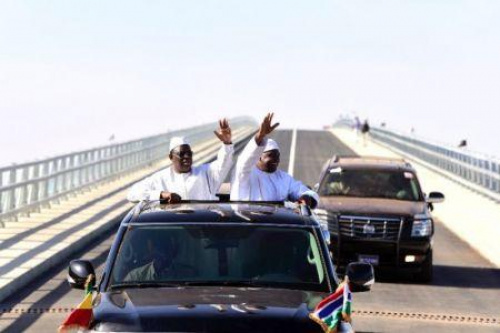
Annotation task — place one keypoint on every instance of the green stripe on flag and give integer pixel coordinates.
(332, 320)
(347, 308)
(328, 321)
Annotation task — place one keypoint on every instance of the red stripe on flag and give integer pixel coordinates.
(79, 317)
(338, 293)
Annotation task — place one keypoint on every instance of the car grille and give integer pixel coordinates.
(369, 227)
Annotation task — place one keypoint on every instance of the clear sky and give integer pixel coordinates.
(74, 72)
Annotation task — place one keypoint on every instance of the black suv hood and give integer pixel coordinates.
(206, 309)
(370, 206)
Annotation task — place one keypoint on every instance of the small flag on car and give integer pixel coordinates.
(334, 309)
(79, 319)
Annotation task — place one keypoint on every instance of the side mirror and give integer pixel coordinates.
(78, 273)
(361, 276)
(316, 187)
(435, 197)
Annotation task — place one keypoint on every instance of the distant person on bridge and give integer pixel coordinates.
(182, 181)
(257, 176)
(365, 129)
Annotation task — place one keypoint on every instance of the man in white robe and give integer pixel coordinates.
(182, 181)
(257, 177)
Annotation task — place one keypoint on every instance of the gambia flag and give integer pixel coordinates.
(79, 319)
(333, 309)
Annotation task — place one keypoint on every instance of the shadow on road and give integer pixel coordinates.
(452, 276)
(24, 321)
(466, 277)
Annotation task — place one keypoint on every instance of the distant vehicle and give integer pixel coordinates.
(377, 213)
(215, 267)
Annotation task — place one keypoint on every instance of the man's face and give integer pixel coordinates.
(182, 158)
(269, 161)
(161, 253)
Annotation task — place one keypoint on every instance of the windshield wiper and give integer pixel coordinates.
(144, 285)
(224, 283)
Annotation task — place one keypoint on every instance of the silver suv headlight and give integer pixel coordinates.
(422, 226)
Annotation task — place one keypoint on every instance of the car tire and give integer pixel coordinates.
(425, 275)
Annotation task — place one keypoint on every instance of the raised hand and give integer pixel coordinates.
(170, 197)
(307, 200)
(265, 128)
(224, 132)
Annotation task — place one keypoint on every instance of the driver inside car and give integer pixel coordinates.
(162, 265)
(398, 187)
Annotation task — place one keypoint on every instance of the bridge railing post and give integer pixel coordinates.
(11, 203)
(35, 189)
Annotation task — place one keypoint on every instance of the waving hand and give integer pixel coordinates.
(224, 132)
(266, 128)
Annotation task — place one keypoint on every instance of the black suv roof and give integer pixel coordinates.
(371, 162)
(218, 212)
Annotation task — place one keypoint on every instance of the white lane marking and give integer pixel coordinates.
(291, 161)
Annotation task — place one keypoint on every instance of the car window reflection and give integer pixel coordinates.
(266, 256)
(372, 184)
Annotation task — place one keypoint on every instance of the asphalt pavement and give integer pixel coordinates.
(313, 149)
(463, 297)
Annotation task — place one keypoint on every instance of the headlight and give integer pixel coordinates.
(421, 227)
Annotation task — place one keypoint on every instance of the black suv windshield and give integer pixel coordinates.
(387, 184)
(235, 255)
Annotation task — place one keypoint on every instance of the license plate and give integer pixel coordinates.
(369, 259)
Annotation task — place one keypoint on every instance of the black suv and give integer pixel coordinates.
(215, 267)
(377, 213)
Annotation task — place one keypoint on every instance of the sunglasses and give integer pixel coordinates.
(182, 154)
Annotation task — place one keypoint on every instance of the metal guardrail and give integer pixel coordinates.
(471, 167)
(27, 187)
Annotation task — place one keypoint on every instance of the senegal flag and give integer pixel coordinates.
(334, 309)
(79, 319)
